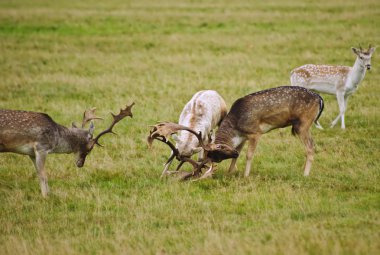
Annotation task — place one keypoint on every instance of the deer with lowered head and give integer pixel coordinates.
(202, 113)
(249, 118)
(37, 135)
(341, 81)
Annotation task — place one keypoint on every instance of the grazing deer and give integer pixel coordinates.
(37, 135)
(202, 113)
(341, 81)
(249, 118)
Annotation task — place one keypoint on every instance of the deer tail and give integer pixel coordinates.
(321, 107)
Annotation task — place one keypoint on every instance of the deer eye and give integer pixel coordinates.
(361, 58)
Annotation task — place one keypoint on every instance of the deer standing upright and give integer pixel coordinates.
(252, 116)
(341, 81)
(37, 135)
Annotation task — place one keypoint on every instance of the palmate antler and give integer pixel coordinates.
(89, 115)
(162, 131)
(116, 118)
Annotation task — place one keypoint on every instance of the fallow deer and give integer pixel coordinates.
(341, 81)
(37, 135)
(202, 113)
(252, 116)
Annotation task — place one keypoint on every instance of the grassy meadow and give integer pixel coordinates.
(61, 57)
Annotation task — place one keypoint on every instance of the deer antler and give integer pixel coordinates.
(89, 115)
(116, 118)
(163, 130)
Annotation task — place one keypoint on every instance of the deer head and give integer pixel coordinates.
(220, 152)
(364, 56)
(88, 143)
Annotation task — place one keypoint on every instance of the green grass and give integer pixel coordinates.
(61, 58)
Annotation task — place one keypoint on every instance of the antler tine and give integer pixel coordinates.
(197, 167)
(166, 129)
(160, 133)
(360, 47)
(89, 115)
(116, 118)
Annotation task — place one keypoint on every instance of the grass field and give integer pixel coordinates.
(61, 57)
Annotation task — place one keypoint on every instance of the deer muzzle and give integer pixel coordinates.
(80, 162)
(219, 155)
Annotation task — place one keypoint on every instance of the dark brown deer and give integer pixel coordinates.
(37, 135)
(254, 115)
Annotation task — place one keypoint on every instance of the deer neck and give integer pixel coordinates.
(357, 74)
(228, 135)
(68, 141)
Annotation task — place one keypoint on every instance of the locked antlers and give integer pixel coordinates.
(163, 130)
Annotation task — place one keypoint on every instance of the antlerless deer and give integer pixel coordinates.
(202, 113)
(252, 116)
(37, 135)
(341, 81)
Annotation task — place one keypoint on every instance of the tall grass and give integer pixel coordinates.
(63, 57)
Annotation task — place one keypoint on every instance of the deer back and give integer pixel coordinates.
(321, 73)
(202, 113)
(265, 110)
(20, 130)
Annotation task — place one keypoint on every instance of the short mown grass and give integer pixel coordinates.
(63, 57)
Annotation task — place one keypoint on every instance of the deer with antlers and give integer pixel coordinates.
(202, 113)
(341, 81)
(37, 135)
(249, 118)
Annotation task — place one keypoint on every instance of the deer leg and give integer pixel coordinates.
(345, 108)
(305, 137)
(39, 163)
(252, 143)
(167, 164)
(233, 161)
(340, 98)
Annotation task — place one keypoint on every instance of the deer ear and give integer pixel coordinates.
(73, 125)
(356, 51)
(92, 128)
(371, 50)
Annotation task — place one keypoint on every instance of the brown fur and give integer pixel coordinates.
(258, 113)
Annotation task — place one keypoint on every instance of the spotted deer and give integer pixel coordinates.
(249, 118)
(202, 113)
(36, 134)
(341, 81)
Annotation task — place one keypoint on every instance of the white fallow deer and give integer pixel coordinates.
(252, 116)
(341, 81)
(37, 135)
(202, 113)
